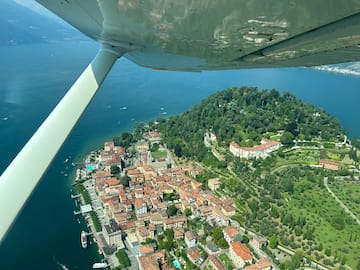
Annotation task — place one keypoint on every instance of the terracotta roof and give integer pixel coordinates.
(231, 231)
(329, 162)
(133, 172)
(174, 220)
(260, 147)
(217, 263)
(146, 250)
(190, 235)
(193, 254)
(241, 250)
(228, 208)
(138, 203)
(265, 145)
(150, 262)
(252, 267)
(178, 233)
(264, 263)
(112, 182)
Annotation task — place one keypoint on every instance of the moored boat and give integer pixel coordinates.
(83, 239)
(99, 265)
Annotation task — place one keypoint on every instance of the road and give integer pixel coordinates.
(347, 210)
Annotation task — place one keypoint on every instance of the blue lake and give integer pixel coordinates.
(35, 77)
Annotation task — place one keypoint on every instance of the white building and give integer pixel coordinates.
(190, 239)
(259, 151)
(112, 234)
(140, 206)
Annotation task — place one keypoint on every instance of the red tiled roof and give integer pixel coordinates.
(217, 263)
(193, 254)
(252, 267)
(264, 263)
(112, 182)
(241, 250)
(231, 231)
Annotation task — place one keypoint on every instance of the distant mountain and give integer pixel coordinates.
(352, 68)
(21, 25)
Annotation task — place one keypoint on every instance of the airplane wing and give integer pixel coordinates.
(220, 34)
(191, 35)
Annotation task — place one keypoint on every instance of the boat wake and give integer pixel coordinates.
(61, 265)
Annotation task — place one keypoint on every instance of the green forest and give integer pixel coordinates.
(246, 115)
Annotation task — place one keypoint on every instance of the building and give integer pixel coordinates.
(209, 139)
(108, 146)
(194, 256)
(214, 183)
(239, 254)
(330, 165)
(259, 151)
(146, 250)
(112, 234)
(262, 264)
(258, 241)
(229, 233)
(140, 207)
(133, 243)
(190, 239)
(215, 263)
(155, 261)
(175, 223)
(228, 210)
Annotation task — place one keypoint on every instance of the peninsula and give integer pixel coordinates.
(247, 179)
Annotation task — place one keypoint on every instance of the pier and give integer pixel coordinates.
(75, 196)
(84, 209)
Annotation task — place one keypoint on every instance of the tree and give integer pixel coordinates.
(273, 241)
(171, 210)
(217, 234)
(187, 212)
(114, 169)
(124, 180)
(155, 147)
(245, 239)
(178, 150)
(287, 138)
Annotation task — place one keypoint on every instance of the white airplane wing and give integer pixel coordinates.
(190, 35)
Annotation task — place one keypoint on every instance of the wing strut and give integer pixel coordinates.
(21, 176)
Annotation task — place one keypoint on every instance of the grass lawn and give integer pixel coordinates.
(226, 261)
(158, 154)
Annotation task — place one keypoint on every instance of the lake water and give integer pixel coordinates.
(35, 77)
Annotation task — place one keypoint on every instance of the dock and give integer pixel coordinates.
(84, 209)
(75, 196)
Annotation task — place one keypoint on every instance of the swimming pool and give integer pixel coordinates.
(177, 264)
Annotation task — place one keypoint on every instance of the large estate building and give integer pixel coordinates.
(259, 151)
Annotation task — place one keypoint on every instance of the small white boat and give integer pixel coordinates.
(83, 239)
(100, 265)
